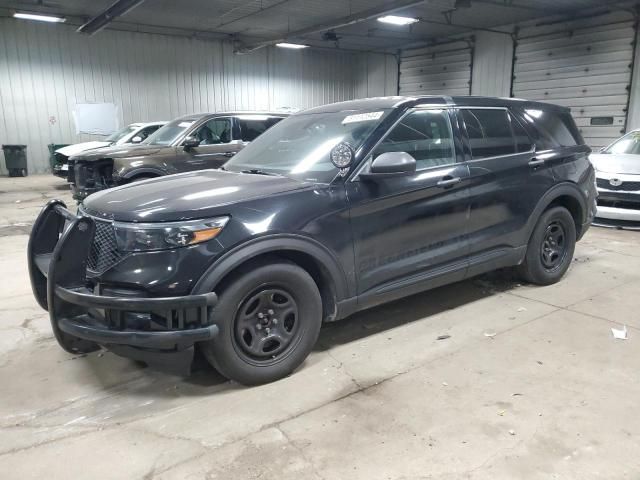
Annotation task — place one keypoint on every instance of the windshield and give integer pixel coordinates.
(299, 146)
(630, 143)
(114, 137)
(169, 133)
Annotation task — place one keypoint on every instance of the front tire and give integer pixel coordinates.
(269, 319)
(550, 249)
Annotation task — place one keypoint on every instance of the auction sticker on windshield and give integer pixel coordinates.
(185, 124)
(362, 117)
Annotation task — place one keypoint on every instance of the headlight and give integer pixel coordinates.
(135, 237)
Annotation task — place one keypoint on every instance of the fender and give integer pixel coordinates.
(274, 243)
(142, 171)
(562, 189)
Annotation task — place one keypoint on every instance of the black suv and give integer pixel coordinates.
(333, 210)
(193, 142)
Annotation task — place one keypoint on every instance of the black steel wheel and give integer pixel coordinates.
(266, 325)
(269, 317)
(554, 246)
(550, 248)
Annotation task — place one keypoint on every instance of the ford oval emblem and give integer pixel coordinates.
(615, 182)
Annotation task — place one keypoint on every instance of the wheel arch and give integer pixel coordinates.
(136, 172)
(567, 195)
(307, 253)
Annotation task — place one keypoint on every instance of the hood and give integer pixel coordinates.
(81, 147)
(120, 151)
(622, 163)
(185, 196)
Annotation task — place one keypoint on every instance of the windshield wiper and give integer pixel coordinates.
(255, 171)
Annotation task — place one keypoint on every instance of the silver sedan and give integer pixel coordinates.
(618, 181)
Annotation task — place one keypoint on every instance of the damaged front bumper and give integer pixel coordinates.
(90, 177)
(159, 331)
(80, 193)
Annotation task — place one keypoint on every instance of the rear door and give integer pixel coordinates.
(507, 180)
(217, 145)
(409, 231)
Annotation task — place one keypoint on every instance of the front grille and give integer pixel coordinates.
(104, 252)
(625, 186)
(618, 204)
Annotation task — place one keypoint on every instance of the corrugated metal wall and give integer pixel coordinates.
(585, 65)
(378, 75)
(46, 69)
(633, 116)
(439, 70)
(493, 56)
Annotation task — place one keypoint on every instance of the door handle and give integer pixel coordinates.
(229, 154)
(447, 182)
(536, 162)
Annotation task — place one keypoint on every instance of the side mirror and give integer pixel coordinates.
(136, 139)
(190, 142)
(390, 164)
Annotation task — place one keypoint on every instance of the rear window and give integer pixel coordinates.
(553, 129)
(251, 126)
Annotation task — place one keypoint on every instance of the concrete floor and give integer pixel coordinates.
(551, 395)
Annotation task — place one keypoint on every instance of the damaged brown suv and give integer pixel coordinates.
(192, 142)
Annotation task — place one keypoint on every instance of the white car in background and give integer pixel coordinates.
(131, 134)
(618, 181)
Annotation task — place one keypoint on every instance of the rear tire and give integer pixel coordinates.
(550, 249)
(269, 319)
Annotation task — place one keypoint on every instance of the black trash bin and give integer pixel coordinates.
(15, 158)
(53, 160)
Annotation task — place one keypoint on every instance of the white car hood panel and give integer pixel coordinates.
(616, 163)
(81, 147)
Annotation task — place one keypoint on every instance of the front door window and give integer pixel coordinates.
(425, 135)
(214, 132)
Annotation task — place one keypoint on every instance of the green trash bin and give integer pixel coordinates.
(53, 159)
(15, 158)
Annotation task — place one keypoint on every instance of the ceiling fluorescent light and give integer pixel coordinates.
(291, 45)
(39, 18)
(395, 20)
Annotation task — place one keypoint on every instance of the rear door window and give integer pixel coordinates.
(523, 141)
(489, 132)
(251, 126)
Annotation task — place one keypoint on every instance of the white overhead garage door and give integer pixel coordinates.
(438, 70)
(585, 65)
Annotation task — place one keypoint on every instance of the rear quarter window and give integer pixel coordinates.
(553, 129)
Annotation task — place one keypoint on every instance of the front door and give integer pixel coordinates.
(216, 145)
(409, 231)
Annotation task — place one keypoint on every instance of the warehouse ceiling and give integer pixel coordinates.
(345, 24)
